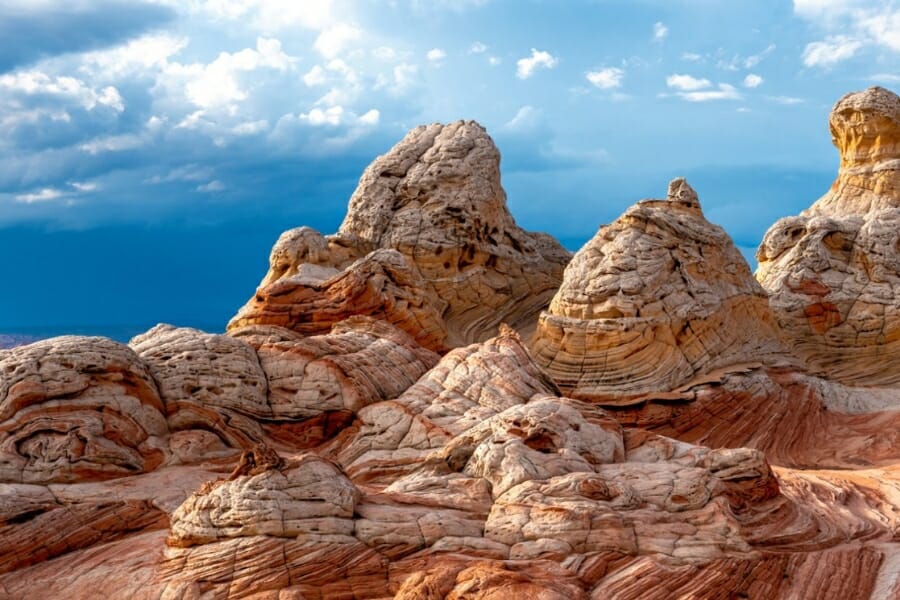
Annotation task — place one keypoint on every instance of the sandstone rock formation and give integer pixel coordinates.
(435, 198)
(665, 436)
(77, 409)
(833, 272)
(655, 300)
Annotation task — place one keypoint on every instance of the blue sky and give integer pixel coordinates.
(151, 151)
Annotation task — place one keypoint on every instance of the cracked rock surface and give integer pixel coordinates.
(391, 415)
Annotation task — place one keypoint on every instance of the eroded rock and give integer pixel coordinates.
(656, 299)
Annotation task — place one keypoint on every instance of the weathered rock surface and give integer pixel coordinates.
(436, 198)
(382, 284)
(833, 272)
(665, 436)
(206, 379)
(655, 300)
(77, 408)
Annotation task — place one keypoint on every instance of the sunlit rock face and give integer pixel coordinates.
(865, 128)
(77, 409)
(656, 299)
(833, 272)
(369, 428)
(436, 198)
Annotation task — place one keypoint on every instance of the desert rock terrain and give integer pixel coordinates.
(433, 403)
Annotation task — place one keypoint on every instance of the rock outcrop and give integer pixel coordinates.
(435, 198)
(373, 426)
(655, 300)
(833, 272)
(77, 409)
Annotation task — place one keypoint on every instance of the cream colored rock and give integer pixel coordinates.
(77, 408)
(360, 362)
(207, 381)
(833, 272)
(538, 440)
(309, 496)
(467, 386)
(656, 299)
(436, 198)
(382, 284)
(865, 128)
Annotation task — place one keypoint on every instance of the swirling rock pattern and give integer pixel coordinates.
(656, 299)
(833, 272)
(436, 198)
(382, 284)
(664, 435)
(77, 408)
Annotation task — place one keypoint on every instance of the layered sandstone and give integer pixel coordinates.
(655, 300)
(664, 435)
(436, 198)
(75, 409)
(833, 272)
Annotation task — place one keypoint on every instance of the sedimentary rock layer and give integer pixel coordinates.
(77, 408)
(436, 198)
(655, 300)
(833, 272)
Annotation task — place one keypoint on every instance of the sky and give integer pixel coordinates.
(151, 151)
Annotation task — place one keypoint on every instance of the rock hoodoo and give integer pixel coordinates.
(373, 425)
(655, 300)
(833, 272)
(436, 198)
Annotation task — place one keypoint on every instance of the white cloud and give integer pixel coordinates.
(250, 127)
(849, 25)
(436, 55)
(39, 83)
(686, 82)
(752, 80)
(785, 99)
(525, 118)
(216, 84)
(886, 77)
(494, 60)
(477, 48)
(371, 117)
(135, 57)
(725, 92)
(660, 31)
(607, 78)
(525, 67)
(318, 117)
(755, 59)
(211, 187)
(831, 51)
(404, 76)
(43, 195)
(384, 53)
(691, 56)
(112, 143)
(272, 15)
(315, 76)
(84, 187)
(334, 40)
(335, 116)
(190, 172)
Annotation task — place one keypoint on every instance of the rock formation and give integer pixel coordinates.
(833, 272)
(373, 425)
(436, 199)
(77, 409)
(655, 300)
